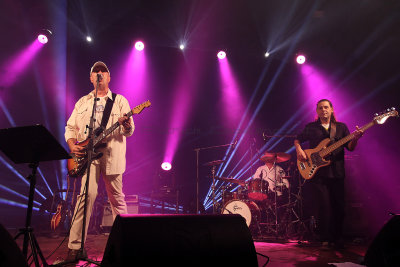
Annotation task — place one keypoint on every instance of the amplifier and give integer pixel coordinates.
(132, 203)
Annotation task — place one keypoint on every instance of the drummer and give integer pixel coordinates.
(273, 173)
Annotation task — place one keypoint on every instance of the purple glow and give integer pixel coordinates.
(233, 104)
(221, 55)
(42, 39)
(166, 166)
(300, 59)
(139, 45)
(181, 109)
(178, 120)
(15, 66)
(133, 79)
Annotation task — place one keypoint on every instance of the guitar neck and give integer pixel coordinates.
(344, 140)
(108, 131)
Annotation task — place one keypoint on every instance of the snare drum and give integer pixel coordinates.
(247, 209)
(258, 189)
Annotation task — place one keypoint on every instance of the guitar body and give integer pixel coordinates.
(77, 165)
(314, 161)
(56, 219)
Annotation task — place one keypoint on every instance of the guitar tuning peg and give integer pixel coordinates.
(393, 108)
(376, 114)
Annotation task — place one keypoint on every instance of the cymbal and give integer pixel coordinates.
(213, 163)
(231, 180)
(275, 157)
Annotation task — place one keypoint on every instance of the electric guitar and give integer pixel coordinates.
(77, 164)
(316, 157)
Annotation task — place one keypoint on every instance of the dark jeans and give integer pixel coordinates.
(324, 198)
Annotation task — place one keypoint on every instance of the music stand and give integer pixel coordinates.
(31, 144)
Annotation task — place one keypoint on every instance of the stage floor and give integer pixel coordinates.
(289, 253)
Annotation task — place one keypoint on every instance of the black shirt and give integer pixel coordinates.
(314, 133)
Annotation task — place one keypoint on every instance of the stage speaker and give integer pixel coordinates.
(10, 253)
(180, 240)
(385, 248)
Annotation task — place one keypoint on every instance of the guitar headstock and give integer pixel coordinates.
(381, 119)
(139, 108)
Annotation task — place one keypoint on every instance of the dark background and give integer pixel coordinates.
(354, 44)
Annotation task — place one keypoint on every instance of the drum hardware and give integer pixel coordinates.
(277, 157)
(197, 150)
(258, 189)
(231, 180)
(214, 201)
(213, 163)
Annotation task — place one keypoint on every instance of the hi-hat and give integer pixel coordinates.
(213, 163)
(275, 157)
(231, 180)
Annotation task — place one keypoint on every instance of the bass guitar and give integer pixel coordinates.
(316, 157)
(77, 165)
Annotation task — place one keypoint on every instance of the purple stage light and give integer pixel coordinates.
(221, 55)
(43, 39)
(139, 45)
(44, 35)
(233, 102)
(300, 59)
(15, 66)
(166, 166)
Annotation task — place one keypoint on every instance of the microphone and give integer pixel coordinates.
(99, 77)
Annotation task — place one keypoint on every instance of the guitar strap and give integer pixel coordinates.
(107, 112)
(333, 132)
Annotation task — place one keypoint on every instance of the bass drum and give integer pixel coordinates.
(247, 209)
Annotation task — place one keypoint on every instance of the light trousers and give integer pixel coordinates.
(113, 185)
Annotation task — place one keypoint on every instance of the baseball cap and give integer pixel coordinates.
(99, 66)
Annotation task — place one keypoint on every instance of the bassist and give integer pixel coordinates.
(324, 194)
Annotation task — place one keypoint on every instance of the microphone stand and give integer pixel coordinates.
(197, 150)
(90, 150)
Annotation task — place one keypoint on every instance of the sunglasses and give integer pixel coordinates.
(99, 68)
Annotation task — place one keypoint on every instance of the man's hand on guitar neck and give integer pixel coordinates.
(74, 148)
(358, 133)
(125, 122)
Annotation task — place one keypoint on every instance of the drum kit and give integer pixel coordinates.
(265, 210)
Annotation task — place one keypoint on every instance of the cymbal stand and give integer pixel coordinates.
(276, 200)
(298, 217)
(213, 168)
(197, 150)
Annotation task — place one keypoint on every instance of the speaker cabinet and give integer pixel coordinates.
(132, 205)
(10, 254)
(180, 240)
(385, 248)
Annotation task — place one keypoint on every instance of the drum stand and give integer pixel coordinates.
(214, 201)
(290, 210)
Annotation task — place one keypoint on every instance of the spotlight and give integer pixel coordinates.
(300, 59)
(166, 166)
(266, 54)
(89, 39)
(44, 35)
(139, 45)
(182, 46)
(221, 54)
